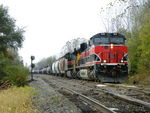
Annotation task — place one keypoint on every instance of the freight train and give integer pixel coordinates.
(103, 58)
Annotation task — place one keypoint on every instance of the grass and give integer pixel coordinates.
(16, 100)
(140, 79)
(57, 99)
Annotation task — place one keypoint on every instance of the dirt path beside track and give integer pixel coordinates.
(48, 100)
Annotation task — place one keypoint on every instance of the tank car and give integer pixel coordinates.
(62, 66)
(53, 68)
(56, 67)
(49, 69)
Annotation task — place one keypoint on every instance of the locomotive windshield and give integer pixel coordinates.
(108, 40)
(117, 40)
(101, 40)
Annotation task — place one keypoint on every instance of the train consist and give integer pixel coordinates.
(103, 58)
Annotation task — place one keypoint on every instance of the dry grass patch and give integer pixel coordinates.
(16, 100)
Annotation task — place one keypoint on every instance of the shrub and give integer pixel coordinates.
(17, 75)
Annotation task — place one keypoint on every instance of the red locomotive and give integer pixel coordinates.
(103, 58)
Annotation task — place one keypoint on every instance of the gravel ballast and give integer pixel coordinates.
(51, 98)
(47, 100)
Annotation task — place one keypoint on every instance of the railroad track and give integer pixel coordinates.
(94, 102)
(109, 97)
(130, 87)
(127, 98)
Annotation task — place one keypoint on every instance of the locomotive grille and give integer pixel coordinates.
(112, 57)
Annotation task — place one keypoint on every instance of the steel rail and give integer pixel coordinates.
(134, 88)
(126, 98)
(94, 102)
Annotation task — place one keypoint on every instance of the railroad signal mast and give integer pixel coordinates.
(32, 66)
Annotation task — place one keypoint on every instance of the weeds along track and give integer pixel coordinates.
(100, 95)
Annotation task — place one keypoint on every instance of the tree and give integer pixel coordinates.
(11, 39)
(144, 47)
(11, 36)
(45, 62)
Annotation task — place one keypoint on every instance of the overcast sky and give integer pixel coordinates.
(49, 24)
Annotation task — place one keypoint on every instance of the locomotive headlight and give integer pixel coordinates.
(111, 46)
(121, 61)
(104, 61)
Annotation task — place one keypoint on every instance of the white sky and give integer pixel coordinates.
(51, 23)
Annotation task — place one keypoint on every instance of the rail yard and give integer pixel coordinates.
(81, 96)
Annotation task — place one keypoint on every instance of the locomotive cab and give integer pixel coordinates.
(107, 38)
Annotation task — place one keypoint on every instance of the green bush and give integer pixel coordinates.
(15, 74)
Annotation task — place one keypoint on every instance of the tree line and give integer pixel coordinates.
(11, 39)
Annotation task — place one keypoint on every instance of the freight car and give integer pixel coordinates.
(103, 58)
